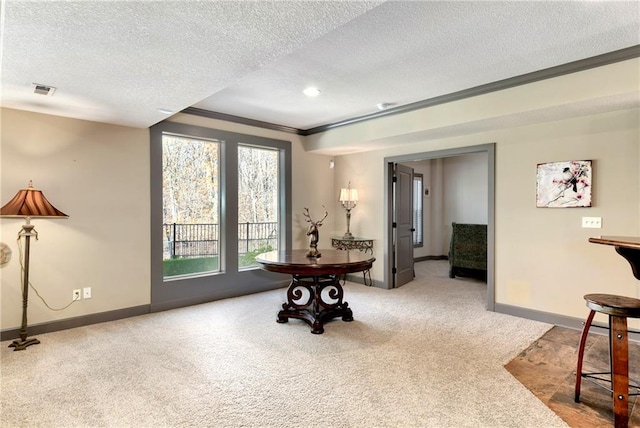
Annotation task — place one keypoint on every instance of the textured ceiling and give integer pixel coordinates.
(120, 61)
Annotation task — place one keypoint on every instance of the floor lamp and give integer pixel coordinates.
(28, 203)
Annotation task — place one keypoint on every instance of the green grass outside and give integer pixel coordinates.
(249, 259)
(174, 267)
(186, 266)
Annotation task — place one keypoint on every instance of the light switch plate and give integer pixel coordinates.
(592, 222)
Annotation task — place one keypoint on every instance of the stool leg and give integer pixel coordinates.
(620, 370)
(583, 342)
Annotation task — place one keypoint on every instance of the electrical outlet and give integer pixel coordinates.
(86, 293)
(592, 222)
(77, 294)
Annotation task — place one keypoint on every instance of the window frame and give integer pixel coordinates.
(173, 292)
(280, 243)
(418, 218)
(220, 262)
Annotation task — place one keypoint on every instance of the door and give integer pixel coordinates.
(403, 225)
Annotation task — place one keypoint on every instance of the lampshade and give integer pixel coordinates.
(30, 203)
(348, 195)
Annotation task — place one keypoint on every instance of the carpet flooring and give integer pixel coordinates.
(427, 354)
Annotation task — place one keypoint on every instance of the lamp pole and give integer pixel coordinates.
(348, 235)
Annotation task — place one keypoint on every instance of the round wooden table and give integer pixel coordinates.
(315, 294)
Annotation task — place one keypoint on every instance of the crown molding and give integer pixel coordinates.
(241, 120)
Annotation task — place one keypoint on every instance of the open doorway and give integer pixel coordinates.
(441, 236)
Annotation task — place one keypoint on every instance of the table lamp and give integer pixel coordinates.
(349, 198)
(28, 203)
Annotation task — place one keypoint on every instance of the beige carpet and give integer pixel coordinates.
(424, 355)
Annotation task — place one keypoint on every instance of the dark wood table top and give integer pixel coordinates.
(627, 246)
(632, 242)
(331, 262)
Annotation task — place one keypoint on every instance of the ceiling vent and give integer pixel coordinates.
(43, 89)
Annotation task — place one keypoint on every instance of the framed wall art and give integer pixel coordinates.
(564, 184)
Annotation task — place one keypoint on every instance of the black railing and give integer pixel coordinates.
(202, 240)
(257, 236)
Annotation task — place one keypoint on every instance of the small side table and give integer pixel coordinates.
(363, 244)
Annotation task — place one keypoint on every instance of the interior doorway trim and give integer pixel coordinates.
(489, 149)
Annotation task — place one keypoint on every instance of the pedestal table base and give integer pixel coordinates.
(315, 300)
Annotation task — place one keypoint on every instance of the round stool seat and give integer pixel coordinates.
(620, 306)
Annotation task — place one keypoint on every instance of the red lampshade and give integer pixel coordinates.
(30, 203)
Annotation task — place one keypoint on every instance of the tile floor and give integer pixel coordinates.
(547, 368)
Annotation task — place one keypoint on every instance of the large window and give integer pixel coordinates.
(190, 205)
(218, 199)
(258, 190)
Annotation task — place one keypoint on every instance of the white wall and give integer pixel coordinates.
(465, 192)
(543, 259)
(97, 174)
(465, 188)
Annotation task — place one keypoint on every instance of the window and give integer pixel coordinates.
(417, 210)
(190, 205)
(218, 199)
(258, 189)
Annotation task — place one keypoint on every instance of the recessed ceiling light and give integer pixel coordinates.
(383, 106)
(311, 91)
(165, 111)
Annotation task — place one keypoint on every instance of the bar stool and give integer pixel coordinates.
(619, 308)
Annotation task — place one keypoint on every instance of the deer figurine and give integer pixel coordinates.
(313, 232)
